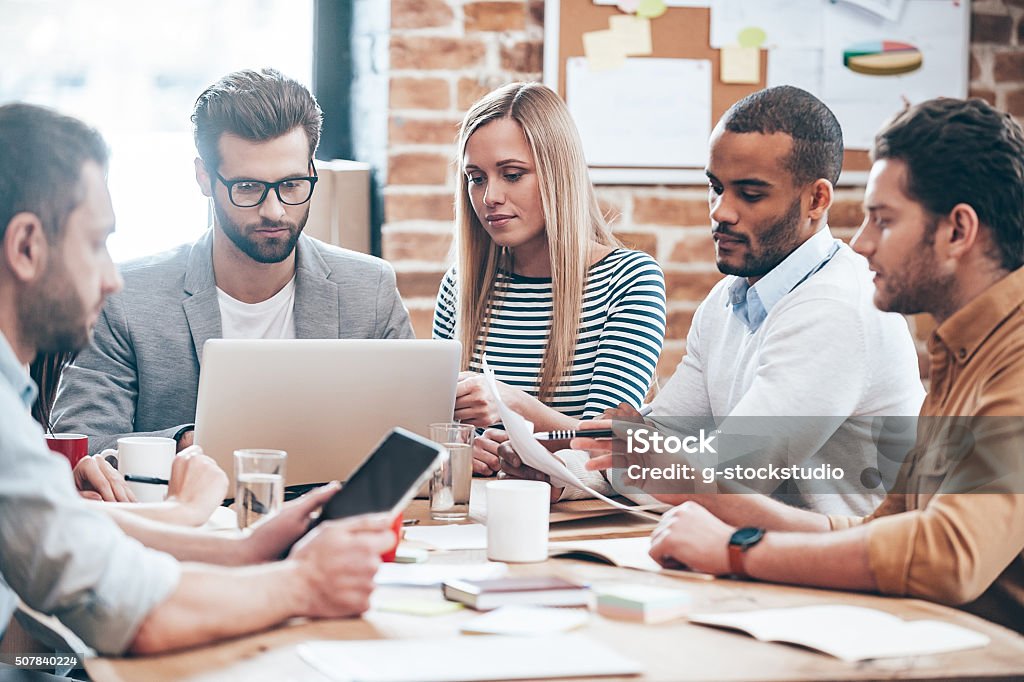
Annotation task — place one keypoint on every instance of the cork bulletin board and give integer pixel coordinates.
(679, 33)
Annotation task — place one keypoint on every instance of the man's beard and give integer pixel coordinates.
(774, 243)
(265, 250)
(51, 314)
(914, 286)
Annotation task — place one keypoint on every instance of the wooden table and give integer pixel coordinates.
(672, 651)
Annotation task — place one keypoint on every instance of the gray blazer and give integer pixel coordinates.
(141, 373)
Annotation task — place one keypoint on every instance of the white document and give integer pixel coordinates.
(786, 23)
(851, 633)
(464, 659)
(799, 67)
(649, 113)
(668, 3)
(862, 102)
(529, 449)
(450, 537)
(887, 9)
(425, 575)
(526, 621)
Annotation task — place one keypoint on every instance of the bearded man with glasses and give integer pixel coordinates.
(252, 275)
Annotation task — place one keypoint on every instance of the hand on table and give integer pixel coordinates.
(692, 537)
(197, 485)
(338, 560)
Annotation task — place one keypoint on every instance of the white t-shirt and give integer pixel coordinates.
(273, 318)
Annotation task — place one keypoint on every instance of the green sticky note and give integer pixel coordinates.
(752, 36)
(650, 9)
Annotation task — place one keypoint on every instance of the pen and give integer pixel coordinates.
(135, 478)
(569, 434)
(480, 429)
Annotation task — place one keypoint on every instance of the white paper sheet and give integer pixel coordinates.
(425, 575)
(668, 3)
(786, 23)
(887, 9)
(650, 113)
(463, 659)
(532, 454)
(851, 633)
(795, 66)
(863, 102)
(450, 537)
(526, 621)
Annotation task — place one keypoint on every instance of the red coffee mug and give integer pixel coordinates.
(396, 528)
(74, 446)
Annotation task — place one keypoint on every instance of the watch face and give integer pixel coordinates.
(745, 537)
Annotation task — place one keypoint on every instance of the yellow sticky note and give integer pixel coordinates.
(603, 50)
(740, 64)
(634, 34)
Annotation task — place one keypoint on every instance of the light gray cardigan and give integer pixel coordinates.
(141, 373)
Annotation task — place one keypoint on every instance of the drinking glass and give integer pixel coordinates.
(450, 485)
(259, 484)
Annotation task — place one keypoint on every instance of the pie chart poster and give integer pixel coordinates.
(933, 33)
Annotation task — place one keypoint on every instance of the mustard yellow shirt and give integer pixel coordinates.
(929, 538)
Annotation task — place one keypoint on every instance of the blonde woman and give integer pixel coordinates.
(571, 322)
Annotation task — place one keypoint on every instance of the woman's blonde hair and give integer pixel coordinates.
(572, 221)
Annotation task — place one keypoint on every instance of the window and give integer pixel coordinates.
(134, 69)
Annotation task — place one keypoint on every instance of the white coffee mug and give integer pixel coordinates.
(517, 520)
(149, 456)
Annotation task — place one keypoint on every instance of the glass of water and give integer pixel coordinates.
(259, 484)
(449, 488)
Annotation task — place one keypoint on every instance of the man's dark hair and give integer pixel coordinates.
(256, 106)
(817, 136)
(41, 158)
(963, 151)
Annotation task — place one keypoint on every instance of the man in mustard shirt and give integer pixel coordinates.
(944, 233)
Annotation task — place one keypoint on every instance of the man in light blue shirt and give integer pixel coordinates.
(57, 553)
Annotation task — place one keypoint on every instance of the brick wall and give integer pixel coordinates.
(445, 54)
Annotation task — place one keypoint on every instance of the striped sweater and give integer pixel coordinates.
(621, 331)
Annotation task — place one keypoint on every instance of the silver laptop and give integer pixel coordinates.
(326, 402)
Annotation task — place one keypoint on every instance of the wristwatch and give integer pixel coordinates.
(740, 542)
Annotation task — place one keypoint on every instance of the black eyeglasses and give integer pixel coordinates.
(290, 191)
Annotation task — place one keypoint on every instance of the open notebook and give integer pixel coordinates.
(851, 633)
(621, 552)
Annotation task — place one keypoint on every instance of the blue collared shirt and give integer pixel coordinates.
(60, 555)
(753, 303)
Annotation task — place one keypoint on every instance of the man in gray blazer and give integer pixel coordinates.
(252, 275)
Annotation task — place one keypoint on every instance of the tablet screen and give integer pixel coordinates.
(388, 477)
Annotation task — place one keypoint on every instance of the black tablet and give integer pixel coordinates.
(388, 479)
